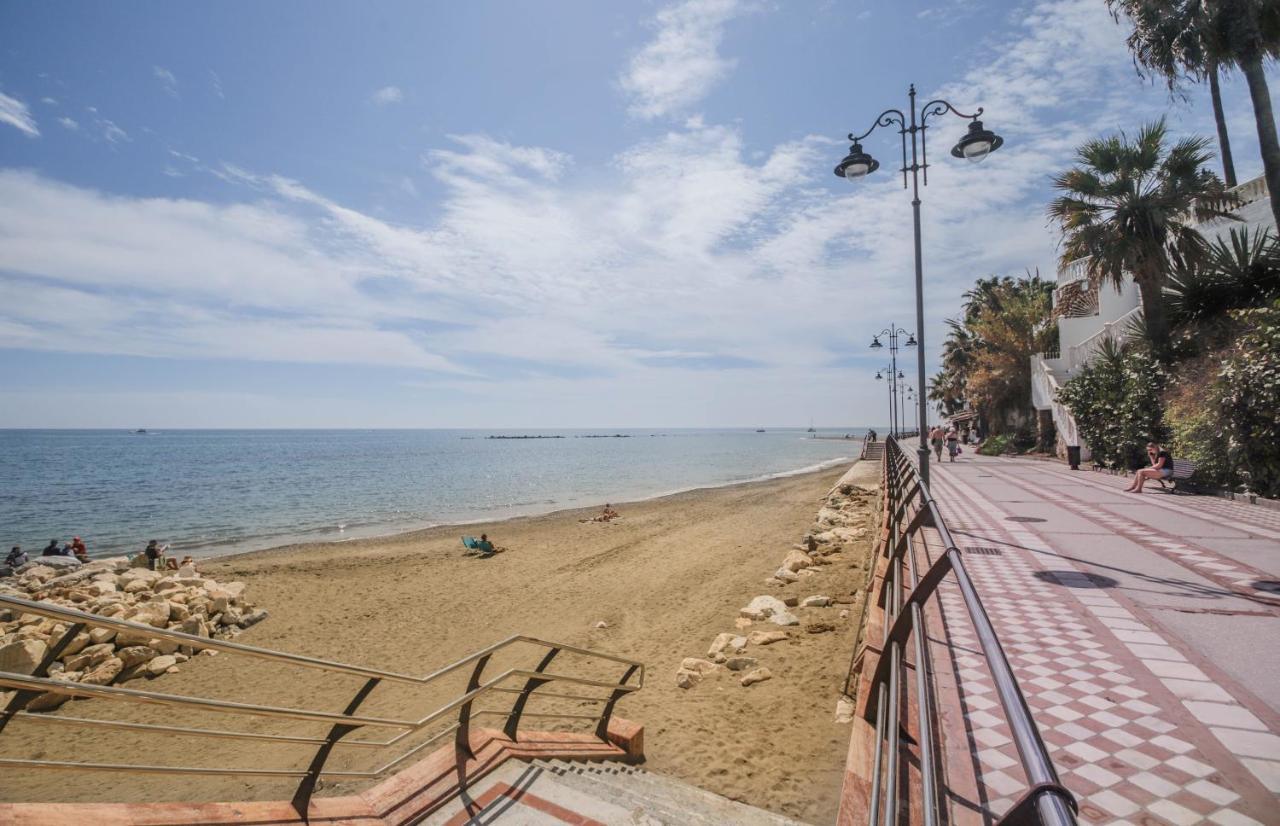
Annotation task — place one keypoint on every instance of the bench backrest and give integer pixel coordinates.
(1183, 468)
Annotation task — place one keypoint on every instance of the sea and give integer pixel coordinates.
(216, 492)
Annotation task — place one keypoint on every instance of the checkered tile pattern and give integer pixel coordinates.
(1114, 702)
(1229, 573)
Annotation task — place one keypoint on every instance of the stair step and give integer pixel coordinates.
(669, 800)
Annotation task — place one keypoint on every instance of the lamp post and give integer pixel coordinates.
(893, 332)
(893, 376)
(976, 144)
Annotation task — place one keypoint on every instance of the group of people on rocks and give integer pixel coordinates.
(75, 548)
(153, 556)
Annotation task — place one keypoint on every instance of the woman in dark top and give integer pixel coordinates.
(1161, 467)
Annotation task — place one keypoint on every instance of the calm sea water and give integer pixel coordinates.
(220, 491)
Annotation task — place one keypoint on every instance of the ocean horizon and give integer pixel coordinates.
(213, 492)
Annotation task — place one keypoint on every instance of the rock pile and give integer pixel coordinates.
(178, 601)
(843, 519)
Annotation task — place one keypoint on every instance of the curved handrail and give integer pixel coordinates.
(1046, 801)
(31, 685)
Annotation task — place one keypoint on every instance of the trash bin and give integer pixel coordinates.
(1073, 456)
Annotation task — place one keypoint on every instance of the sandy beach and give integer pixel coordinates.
(665, 579)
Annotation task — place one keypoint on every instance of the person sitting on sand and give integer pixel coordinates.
(79, 549)
(605, 515)
(485, 545)
(16, 557)
(155, 555)
(51, 549)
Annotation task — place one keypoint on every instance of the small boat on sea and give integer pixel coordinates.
(140, 430)
(759, 429)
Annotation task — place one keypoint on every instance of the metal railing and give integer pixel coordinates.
(30, 686)
(1117, 331)
(903, 594)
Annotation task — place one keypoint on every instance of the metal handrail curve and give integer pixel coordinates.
(1046, 801)
(29, 686)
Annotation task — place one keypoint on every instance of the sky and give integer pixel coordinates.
(502, 214)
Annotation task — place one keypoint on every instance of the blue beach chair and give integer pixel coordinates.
(483, 546)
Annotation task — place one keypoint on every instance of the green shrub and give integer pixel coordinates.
(996, 445)
(1116, 403)
(1248, 396)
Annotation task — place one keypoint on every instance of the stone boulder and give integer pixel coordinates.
(757, 675)
(22, 656)
(135, 655)
(796, 560)
(819, 627)
(785, 618)
(101, 635)
(816, 601)
(785, 575)
(727, 644)
(766, 637)
(104, 673)
(700, 666)
(161, 664)
(762, 608)
(741, 663)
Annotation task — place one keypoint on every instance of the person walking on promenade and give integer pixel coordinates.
(1161, 468)
(935, 438)
(953, 444)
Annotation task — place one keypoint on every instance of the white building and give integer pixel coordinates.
(1093, 315)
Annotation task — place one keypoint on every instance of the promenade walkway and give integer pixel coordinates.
(1144, 630)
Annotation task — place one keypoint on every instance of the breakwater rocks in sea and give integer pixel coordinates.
(843, 521)
(180, 600)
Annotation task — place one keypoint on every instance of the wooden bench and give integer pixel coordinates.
(1182, 469)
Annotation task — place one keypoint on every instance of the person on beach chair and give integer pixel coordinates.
(483, 545)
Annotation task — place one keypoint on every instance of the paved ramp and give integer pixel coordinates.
(1144, 631)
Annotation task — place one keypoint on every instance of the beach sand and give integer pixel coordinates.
(665, 578)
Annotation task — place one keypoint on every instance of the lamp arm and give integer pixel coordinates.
(886, 118)
(941, 107)
(938, 106)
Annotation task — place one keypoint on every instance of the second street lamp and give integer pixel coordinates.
(893, 332)
(975, 145)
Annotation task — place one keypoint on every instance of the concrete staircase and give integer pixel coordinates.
(658, 798)
(873, 451)
(531, 793)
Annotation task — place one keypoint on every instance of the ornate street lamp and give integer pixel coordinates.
(893, 332)
(975, 145)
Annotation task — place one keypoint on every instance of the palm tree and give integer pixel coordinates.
(1164, 43)
(1241, 272)
(1128, 208)
(1198, 37)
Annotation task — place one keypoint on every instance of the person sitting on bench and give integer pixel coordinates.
(1161, 468)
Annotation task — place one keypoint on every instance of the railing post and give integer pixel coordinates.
(462, 740)
(302, 797)
(531, 685)
(20, 700)
(602, 728)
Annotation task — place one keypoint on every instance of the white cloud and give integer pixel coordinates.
(168, 80)
(682, 63)
(595, 292)
(215, 82)
(387, 95)
(49, 101)
(69, 123)
(15, 113)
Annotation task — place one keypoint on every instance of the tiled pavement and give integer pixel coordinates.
(1102, 601)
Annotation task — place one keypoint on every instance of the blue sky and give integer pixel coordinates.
(515, 214)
